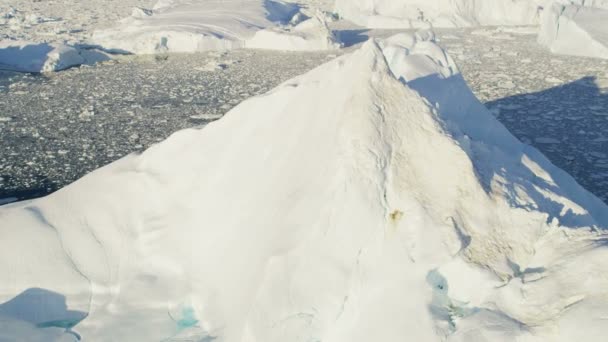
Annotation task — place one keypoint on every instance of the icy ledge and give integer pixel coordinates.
(371, 199)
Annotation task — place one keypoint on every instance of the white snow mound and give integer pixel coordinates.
(387, 14)
(371, 199)
(576, 30)
(185, 26)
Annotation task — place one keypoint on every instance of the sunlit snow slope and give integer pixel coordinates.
(372, 199)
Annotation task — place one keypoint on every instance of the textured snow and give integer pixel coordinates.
(576, 30)
(439, 13)
(185, 26)
(373, 198)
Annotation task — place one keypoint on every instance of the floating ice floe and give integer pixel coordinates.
(439, 13)
(575, 29)
(371, 199)
(184, 26)
(32, 57)
(43, 57)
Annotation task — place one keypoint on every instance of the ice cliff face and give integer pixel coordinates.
(372, 199)
(439, 13)
(573, 27)
(579, 29)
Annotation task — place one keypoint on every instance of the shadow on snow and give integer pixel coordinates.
(37, 308)
(569, 124)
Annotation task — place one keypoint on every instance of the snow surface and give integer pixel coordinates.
(373, 198)
(439, 13)
(576, 30)
(185, 26)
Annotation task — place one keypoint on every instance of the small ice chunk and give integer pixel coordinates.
(139, 12)
(544, 140)
(206, 116)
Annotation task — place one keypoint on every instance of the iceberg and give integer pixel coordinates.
(24, 56)
(394, 14)
(371, 199)
(186, 26)
(576, 29)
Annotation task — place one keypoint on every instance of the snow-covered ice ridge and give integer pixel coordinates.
(371, 199)
(187, 26)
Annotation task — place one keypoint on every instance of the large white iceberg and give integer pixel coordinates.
(439, 13)
(372, 199)
(193, 26)
(579, 30)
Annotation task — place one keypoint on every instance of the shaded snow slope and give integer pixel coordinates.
(438, 13)
(32, 57)
(44, 57)
(576, 30)
(373, 198)
(185, 26)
